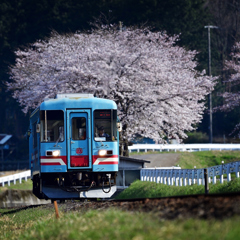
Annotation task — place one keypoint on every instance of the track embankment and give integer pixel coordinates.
(180, 207)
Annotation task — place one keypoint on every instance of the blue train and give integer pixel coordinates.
(74, 147)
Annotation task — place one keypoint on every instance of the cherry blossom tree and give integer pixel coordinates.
(154, 82)
(232, 96)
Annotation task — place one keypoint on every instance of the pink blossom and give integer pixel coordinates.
(153, 81)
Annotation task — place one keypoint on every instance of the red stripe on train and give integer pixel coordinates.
(105, 163)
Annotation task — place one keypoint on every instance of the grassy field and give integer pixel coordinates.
(25, 185)
(187, 160)
(207, 158)
(40, 223)
(140, 189)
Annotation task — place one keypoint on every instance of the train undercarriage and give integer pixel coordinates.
(74, 185)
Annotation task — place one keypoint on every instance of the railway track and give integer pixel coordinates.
(218, 206)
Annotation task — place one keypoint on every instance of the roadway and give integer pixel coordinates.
(159, 160)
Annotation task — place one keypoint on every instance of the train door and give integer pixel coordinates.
(78, 139)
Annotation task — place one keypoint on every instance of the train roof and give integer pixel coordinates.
(77, 101)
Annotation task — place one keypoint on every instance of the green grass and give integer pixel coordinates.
(40, 223)
(140, 189)
(122, 225)
(206, 158)
(13, 224)
(199, 159)
(25, 185)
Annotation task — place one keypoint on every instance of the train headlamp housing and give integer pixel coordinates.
(53, 153)
(102, 152)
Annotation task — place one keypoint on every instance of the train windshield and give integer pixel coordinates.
(105, 125)
(52, 126)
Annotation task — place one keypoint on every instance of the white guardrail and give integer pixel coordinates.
(184, 177)
(183, 147)
(13, 178)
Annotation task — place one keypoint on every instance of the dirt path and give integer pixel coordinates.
(159, 160)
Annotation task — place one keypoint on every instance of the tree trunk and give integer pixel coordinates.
(123, 145)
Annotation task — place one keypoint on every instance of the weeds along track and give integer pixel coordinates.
(211, 206)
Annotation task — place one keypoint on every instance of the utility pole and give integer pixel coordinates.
(120, 26)
(209, 73)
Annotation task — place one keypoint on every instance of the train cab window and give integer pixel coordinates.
(105, 125)
(79, 128)
(52, 126)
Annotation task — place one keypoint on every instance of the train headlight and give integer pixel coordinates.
(53, 153)
(102, 152)
(56, 153)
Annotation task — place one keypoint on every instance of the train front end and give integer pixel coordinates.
(74, 147)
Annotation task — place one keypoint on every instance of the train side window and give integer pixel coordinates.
(79, 128)
(105, 122)
(52, 130)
